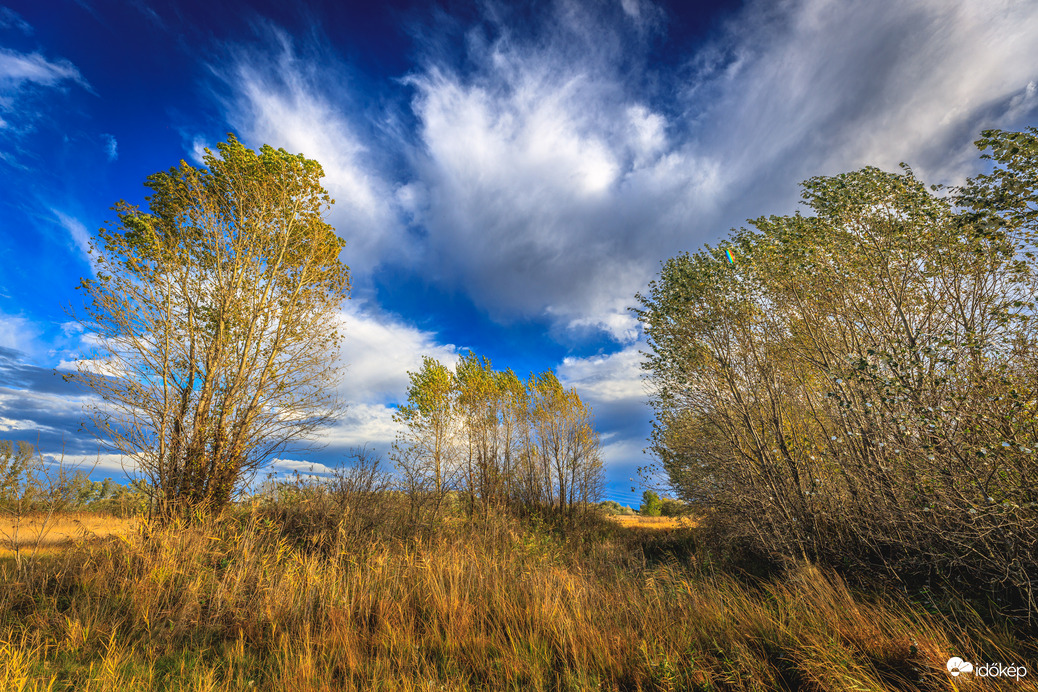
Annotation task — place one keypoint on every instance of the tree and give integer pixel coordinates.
(506, 441)
(841, 382)
(570, 464)
(479, 402)
(651, 506)
(427, 442)
(216, 315)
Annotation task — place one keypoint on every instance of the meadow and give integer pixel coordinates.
(281, 598)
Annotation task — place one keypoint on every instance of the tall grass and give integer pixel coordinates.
(242, 604)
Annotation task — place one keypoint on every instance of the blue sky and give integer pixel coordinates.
(508, 175)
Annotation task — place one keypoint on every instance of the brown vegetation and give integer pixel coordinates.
(246, 603)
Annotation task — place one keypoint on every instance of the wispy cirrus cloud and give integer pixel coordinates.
(23, 78)
(18, 334)
(77, 232)
(274, 95)
(11, 19)
(111, 146)
(815, 87)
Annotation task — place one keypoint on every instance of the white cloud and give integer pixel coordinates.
(21, 72)
(111, 147)
(116, 464)
(545, 189)
(622, 458)
(14, 425)
(608, 378)
(615, 388)
(78, 233)
(379, 350)
(285, 101)
(17, 69)
(551, 181)
(822, 87)
(195, 146)
(308, 468)
(19, 334)
(554, 166)
(362, 425)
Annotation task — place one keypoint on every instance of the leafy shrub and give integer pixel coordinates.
(651, 506)
(855, 383)
(612, 508)
(670, 507)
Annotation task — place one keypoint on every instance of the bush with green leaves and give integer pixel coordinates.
(856, 382)
(651, 506)
(670, 507)
(613, 508)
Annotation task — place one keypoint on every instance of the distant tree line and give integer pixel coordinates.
(30, 485)
(858, 384)
(497, 439)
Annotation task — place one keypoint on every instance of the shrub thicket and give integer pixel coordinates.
(857, 384)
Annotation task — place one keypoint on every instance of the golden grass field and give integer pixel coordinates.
(638, 521)
(492, 604)
(55, 532)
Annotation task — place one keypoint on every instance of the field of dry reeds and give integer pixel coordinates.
(493, 604)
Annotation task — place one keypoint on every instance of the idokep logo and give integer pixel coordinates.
(956, 666)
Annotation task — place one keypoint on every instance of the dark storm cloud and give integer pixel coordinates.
(16, 373)
(37, 405)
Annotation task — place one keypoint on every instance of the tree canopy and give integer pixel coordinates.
(215, 313)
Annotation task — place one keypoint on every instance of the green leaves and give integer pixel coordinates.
(217, 308)
(501, 438)
(873, 343)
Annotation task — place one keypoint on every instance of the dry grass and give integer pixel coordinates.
(638, 521)
(61, 530)
(493, 606)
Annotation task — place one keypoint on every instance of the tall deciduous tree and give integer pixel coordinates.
(428, 438)
(216, 314)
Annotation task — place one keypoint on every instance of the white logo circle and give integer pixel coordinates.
(956, 665)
